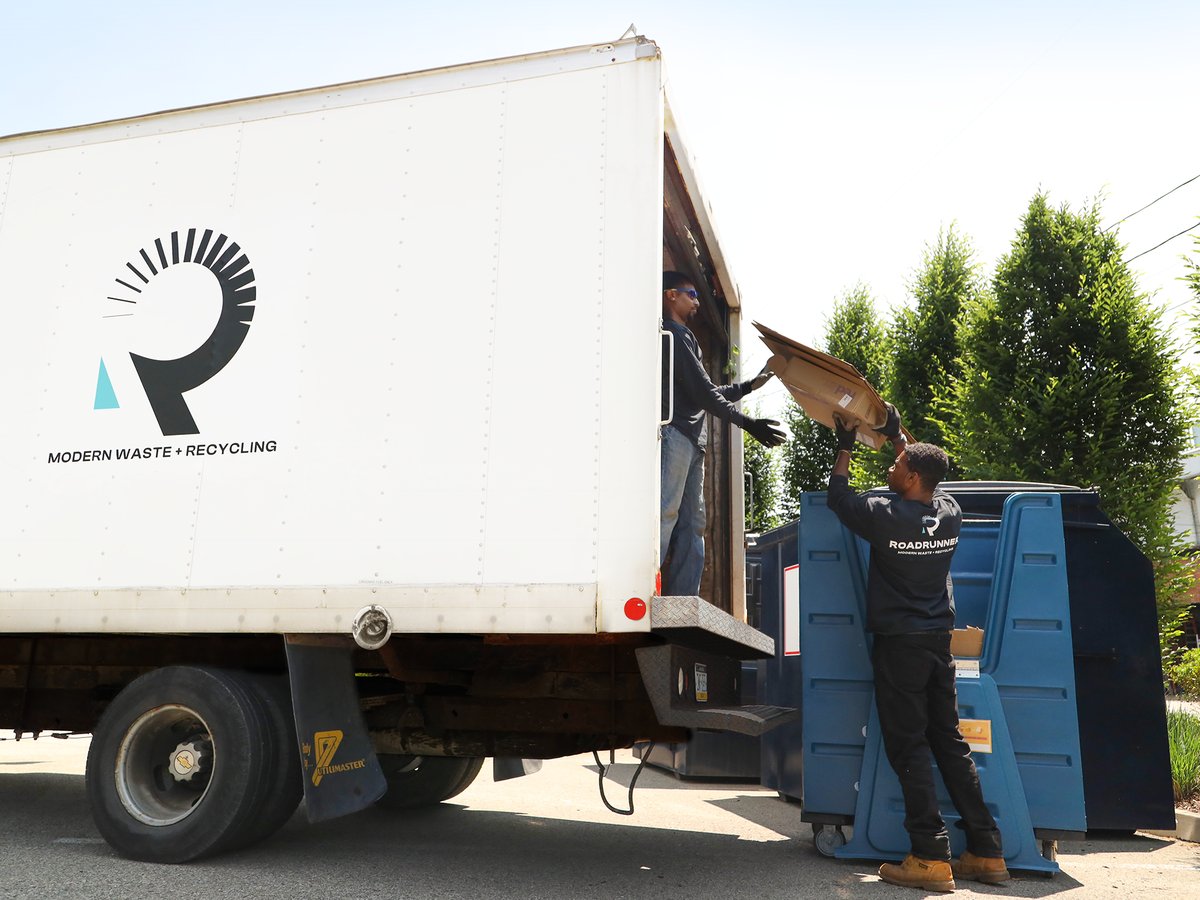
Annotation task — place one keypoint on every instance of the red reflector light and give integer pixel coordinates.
(635, 608)
(658, 584)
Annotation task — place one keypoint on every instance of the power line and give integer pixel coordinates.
(1177, 305)
(1191, 227)
(1150, 204)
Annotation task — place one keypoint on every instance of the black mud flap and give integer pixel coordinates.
(694, 689)
(341, 773)
(506, 767)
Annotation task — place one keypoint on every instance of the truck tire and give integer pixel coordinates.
(284, 784)
(415, 781)
(179, 765)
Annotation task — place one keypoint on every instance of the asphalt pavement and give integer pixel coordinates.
(546, 835)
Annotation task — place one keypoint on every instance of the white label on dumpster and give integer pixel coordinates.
(791, 611)
(966, 668)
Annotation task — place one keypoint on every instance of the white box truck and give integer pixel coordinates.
(332, 449)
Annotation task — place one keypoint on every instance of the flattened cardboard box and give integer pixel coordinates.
(966, 641)
(824, 385)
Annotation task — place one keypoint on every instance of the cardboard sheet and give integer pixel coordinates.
(824, 385)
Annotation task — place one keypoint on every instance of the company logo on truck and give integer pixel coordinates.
(167, 380)
(326, 744)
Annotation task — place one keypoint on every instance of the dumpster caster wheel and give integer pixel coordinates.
(827, 839)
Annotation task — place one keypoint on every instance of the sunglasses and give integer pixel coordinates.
(691, 292)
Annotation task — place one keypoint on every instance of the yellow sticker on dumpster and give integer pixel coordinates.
(977, 733)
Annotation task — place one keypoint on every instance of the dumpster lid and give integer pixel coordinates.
(1002, 487)
(1014, 486)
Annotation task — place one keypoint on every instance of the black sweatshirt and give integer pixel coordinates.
(908, 584)
(695, 393)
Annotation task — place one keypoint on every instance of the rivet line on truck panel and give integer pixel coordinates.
(491, 351)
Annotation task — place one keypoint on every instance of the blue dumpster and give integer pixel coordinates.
(772, 576)
(1068, 623)
(1118, 668)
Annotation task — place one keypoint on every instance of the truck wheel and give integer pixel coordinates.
(179, 765)
(284, 784)
(415, 781)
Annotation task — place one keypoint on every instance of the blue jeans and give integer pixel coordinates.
(681, 520)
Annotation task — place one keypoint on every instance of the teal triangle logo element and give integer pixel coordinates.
(106, 397)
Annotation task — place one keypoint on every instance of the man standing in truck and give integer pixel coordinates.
(682, 520)
(910, 611)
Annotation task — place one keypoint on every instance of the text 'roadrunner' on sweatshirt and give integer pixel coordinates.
(908, 582)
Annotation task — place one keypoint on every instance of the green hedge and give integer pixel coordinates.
(1183, 734)
(1183, 675)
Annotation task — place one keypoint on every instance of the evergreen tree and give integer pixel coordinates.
(854, 333)
(924, 338)
(1070, 376)
(806, 459)
(1193, 280)
(762, 483)
(1174, 609)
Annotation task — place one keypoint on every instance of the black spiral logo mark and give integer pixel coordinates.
(167, 380)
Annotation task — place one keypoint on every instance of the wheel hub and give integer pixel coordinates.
(189, 759)
(164, 765)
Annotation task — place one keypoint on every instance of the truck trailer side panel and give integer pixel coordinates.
(435, 390)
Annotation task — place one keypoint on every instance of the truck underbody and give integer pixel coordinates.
(532, 696)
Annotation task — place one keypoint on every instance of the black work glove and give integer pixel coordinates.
(891, 428)
(762, 377)
(765, 432)
(846, 436)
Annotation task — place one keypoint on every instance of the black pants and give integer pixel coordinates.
(918, 713)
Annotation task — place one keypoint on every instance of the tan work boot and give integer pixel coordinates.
(930, 874)
(987, 869)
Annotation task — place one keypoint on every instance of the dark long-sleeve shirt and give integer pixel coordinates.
(908, 583)
(695, 394)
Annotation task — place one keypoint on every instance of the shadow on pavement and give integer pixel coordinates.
(1114, 842)
(659, 779)
(51, 849)
(778, 815)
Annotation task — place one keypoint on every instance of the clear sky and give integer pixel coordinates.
(833, 139)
